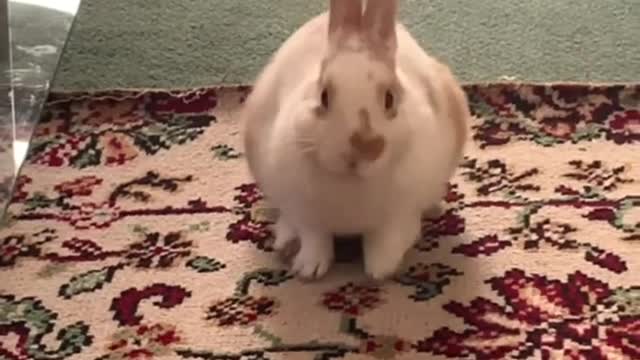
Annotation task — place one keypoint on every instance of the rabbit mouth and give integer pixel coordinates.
(346, 169)
(357, 169)
(346, 166)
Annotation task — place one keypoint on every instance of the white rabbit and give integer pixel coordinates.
(353, 129)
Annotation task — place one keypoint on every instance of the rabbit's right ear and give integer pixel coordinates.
(345, 19)
(379, 27)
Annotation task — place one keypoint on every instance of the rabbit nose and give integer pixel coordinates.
(367, 147)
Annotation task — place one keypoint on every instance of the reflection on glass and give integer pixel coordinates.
(32, 36)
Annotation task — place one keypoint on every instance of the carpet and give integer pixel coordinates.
(193, 43)
(135, 232)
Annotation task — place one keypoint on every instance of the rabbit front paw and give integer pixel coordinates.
(385, 249)
(314, 257)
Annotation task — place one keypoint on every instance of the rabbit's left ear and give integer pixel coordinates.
(345, 19)
(379, 27)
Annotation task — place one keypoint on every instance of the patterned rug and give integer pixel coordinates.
(136, 233)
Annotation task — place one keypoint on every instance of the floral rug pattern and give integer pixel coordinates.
(135, 232)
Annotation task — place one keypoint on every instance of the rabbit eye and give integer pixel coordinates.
(324, 99)
(389, 100)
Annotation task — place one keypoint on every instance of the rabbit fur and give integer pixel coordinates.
(352, 128)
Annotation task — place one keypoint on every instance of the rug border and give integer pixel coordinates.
(55, 96)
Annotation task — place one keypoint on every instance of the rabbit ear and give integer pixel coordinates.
(345, 18)
(379, 26)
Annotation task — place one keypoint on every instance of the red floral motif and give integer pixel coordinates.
(615, 216)
(91, 215)
(106, 114)
(125, 306)
(598, 175)
(143, 342)
(81, 250)
(117, 148)
(500, 101)
(249, 227)
(582, 104)
(241, 310)
(453, 194)
(625, 126)
(546, 232)
(157, 251)
(562, 128)
(572, 319)
(494, 176)
(12, 247)
(249, 195)
(14, 340)
(566, 191)
(606, 260)
(448, 224)
(60, 154)
(82, 186)
(497, 133)
(531, 236)
(384, 347)
(486, 245)
(104, 130)
(557, 114)
(49, 126)
(19, 193)
(353, 300)
(602, 214)
(570, 97)
(15, 246)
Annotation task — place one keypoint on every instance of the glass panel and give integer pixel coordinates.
(32, 37)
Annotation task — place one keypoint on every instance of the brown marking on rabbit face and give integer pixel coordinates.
(368, 148)
(365, 120)
(367, 145)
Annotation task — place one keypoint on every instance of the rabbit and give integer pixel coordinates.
(353, 129)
